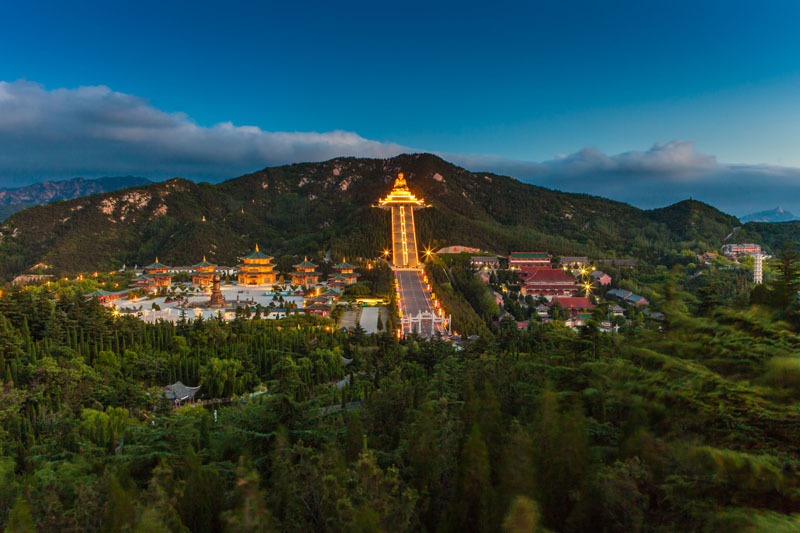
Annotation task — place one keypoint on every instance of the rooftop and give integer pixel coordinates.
(156, 266)
(306, 264)
(204, 263)
(256, 255)
(548, 275)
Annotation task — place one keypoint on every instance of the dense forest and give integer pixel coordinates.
(689, 423)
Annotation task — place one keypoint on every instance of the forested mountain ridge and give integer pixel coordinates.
(312, 207)
(19, 198)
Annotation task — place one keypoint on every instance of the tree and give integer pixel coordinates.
(249, 514)
(522, 517)
(20, 519)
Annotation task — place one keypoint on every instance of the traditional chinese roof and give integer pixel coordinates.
(574, 302)
(332, 292)
(156, 266)
(143, 277)
(204, 263)
(179, 392)
(306, 264)
(256, 255)
(98, 293)
(318, 307)
(344, 265)
(549, 275)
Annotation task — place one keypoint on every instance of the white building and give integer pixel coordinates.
(758, 271)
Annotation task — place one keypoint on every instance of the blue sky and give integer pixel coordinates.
(510, 82)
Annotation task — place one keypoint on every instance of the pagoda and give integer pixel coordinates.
(159, 273)
(203, 274)
(216, 300)
(402, 204)
(257, 269)
(345, 272)
(305, 273)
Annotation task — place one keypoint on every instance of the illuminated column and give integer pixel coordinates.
(404, 242)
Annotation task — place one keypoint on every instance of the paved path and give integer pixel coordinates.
(369, 318)
(414, 298)
(348, 320)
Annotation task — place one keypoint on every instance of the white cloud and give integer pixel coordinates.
(97, 131)
(664, 174)
(94, 131)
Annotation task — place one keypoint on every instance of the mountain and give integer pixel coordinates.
(310, 208)
(13, 200)
(772, 215)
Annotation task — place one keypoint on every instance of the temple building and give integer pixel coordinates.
(548, 282)
(257, 269)
(305, 273)
(203, 274)
(144, 282)
(402, 204)
(159, 274)
(346, 272)
(519, 260)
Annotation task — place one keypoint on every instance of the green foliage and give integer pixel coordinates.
(685, 424)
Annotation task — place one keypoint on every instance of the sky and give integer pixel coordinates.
(645, 102)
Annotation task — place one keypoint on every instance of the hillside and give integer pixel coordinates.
(17, 199)
(312, 207)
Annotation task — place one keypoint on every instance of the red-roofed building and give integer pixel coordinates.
(549, 282)
(574, 305)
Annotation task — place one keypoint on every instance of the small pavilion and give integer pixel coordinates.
(346, 272)
(178, 393)
(305, 273)
(203, 273)
(257, 269)
(159, 274)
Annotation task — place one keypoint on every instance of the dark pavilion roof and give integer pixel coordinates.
(344, 265)
(256, 255)
(143, 277)
(98, 293)
(204, 263)
(179, 392)
(318, 306)
(332, 292)
(156, 266)
(306, 264)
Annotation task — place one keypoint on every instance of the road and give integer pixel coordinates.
(414, 298)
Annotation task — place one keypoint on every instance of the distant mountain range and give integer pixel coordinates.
(311, 208)
(771, 215)
(13, 200)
